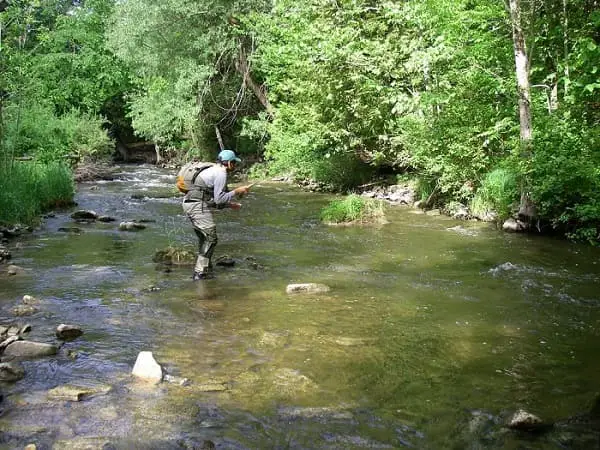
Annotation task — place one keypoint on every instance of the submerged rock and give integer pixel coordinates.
(68, 332)
(84, 215)
(11, 372)
(74, 230)
(352, 342)
(84, 443)
(176, 380)
(24, 310)
(320, 413)
(307, 288)
(212, 387)
(106, 219)
(28, 350)
(131, 226)
(225, 261)
(14, 270)
(147, 368)
(76, 393)
(174, 255)
(291, 381)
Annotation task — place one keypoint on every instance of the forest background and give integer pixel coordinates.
(493, 104)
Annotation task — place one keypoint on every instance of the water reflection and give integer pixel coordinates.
(426, 339)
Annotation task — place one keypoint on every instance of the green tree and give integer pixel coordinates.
(190, 57)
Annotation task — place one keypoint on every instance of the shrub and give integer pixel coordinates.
(353, 208)
(35, 130)
(564, 178)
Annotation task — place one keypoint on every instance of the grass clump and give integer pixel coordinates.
(29, 188)
(498, 192)
(352, 209)
(174, 255)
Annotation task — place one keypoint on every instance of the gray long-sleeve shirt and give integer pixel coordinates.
(214, 177)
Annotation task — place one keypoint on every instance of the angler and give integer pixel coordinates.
(205, 188)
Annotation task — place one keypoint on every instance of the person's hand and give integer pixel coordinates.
(234, 205)
(242, 190)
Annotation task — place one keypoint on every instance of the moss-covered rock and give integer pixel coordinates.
(174, 255)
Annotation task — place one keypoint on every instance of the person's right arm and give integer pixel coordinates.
(221, 196)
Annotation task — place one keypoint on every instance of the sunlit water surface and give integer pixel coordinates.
(434, 330)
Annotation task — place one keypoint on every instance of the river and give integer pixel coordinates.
(433, 333)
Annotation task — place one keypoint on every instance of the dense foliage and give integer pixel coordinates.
(58, 85)
(335, 92)
(188, 58)
(428, 87)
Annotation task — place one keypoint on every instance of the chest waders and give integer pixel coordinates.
(197, 204)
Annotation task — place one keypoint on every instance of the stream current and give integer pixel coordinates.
(433, 333)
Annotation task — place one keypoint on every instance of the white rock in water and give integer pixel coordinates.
(29, 300)
(14, 270)
(131, 226)
(522, 420)
(308, 288)
(147, 368)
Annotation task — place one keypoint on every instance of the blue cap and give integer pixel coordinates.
(228, 155)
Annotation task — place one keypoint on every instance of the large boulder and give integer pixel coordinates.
(28, 350)
(514, 225)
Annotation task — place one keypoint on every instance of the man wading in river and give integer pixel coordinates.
(208, 192)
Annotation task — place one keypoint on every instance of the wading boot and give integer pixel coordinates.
(202, 276)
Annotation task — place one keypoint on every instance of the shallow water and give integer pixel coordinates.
(433, 332)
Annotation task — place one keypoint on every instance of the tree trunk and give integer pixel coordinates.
(219, 138)
(522, 71)
(241, 65)
(157, 149)
(527, 209)
(566, 47)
